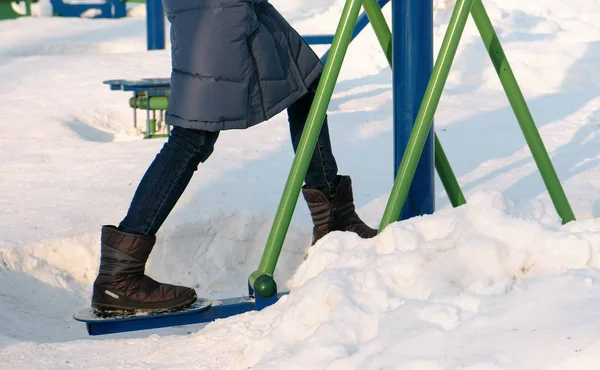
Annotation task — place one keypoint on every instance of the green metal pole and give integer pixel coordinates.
(519, 106)
(308, 140)
(28, 8)
(152, 127)
(380, 27)
(442, 165)
(424, 119)
(152, 102)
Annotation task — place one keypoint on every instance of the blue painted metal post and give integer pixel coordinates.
(412, 29)
(155, 22)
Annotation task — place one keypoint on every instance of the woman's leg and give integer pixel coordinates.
(328, 195)
(166, 179)
(322, 171)
(121, 282)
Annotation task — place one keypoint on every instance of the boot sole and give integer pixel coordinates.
(140, 307)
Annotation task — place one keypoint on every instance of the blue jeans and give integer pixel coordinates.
(169, 174)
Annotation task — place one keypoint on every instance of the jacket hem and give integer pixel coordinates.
(174, 120)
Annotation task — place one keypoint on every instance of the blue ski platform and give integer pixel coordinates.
(202, 311)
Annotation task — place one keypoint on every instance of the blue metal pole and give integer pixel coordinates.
(361, 23)
(119, 9)
(412, 29)
(155, 22)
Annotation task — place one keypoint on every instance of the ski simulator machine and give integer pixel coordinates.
(417, 87)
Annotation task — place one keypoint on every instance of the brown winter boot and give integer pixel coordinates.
(337, 213)
(121, 283)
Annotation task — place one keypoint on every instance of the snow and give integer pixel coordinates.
(496, 284)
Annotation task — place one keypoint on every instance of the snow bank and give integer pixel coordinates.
(485, 286)
(409, 292)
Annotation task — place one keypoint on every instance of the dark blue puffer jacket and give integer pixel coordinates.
(236, 63)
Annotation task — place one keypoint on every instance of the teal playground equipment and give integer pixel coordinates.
(8, 12)
(150, 95)
(60, 8)
(105, 8)
(418, 86)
